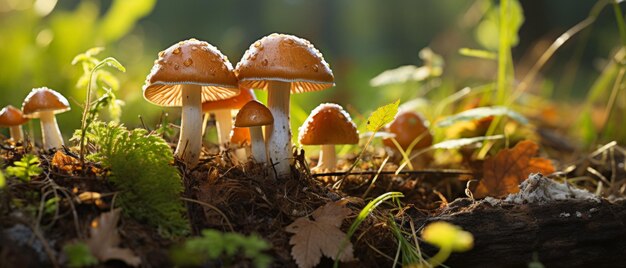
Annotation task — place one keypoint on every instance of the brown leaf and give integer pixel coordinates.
(312, 238)
(503, 173)
(65, 162)
(105, 239)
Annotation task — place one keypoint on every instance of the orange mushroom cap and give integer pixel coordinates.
(407, 126)
(286, 58)
(328, 124)
(240, 135)
(254, 114)
(44, 99)
(236, 102)
(190, 62)
(11, 116)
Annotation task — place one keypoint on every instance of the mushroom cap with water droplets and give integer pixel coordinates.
(328, 123)
(286, 58)
(190, 62)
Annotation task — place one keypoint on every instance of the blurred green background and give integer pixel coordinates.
(359, 39)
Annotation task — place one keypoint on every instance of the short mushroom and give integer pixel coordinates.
(327, 125)
(240, 139)
(222, 110)
(254, 115)
(409, 127)
(13, 118)
(283, 64)
(44, 103)
(187, 74)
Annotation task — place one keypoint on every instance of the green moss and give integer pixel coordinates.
(141, 169)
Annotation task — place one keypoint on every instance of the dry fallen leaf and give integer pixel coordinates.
(503, 173)
(65, 162)
(105, 239)
(312, 238)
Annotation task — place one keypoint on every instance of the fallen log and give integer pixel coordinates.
(568, 232)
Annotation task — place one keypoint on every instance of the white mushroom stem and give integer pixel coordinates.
(50, 132)
(279, 134)
(190, 140)
(259, 153)
(328, 158)
(16, 133)
(224, 124)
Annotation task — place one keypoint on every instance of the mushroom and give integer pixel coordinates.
(283, 64)
(409, 127)
(327, 125)
(411, 132)
(240, 137)
(254, 115)
(44, 103)
(187, 74)
(13, 118)
(222, 109)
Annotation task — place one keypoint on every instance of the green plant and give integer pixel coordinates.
(25, 168)
(448, 238)
(2, 180)
(214, 245)
(79, 255)
(141, 169)
(102, 79)
(366, 211)
(411, 254)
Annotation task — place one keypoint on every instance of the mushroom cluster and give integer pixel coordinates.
(42, 103)
(282, 64)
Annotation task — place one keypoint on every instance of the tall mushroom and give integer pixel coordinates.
(222, 110)
(283, 64)
(254, 115)
(44, 103)
(327, 125)
(13, 118)
(187, 74)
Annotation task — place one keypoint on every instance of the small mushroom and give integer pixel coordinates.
(240, 138)
(409, 127)
(327, 125)
(185, 75)
(222, 110)
(282, 64)
(254, 115)
(44, 103)
(13, 118)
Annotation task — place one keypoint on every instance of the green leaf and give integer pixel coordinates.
(79, 255)
(122, 16)
(2, 180)
(482, 112)
(382, 116)
(25, 168)
(488, 29)
(457, 143)
(112, 62)
(478, 53)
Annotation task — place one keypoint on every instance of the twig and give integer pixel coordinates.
(407, 172)
(211, 207)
